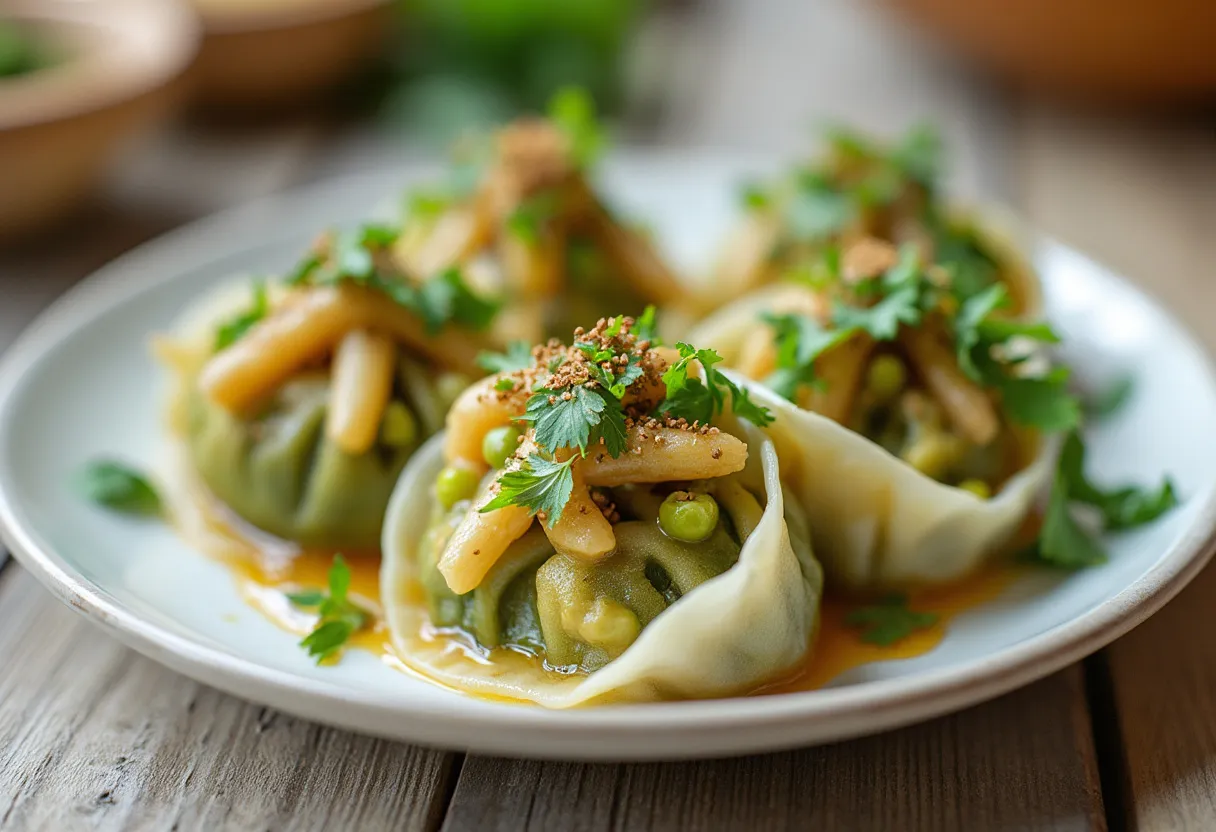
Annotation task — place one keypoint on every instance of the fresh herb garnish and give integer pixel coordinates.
(118, 487)
(647, 326)
(576, 417)
(235, 328)
(817, 209)
(695, 401)
(800, 341)
(1066, 542)
(573, 111)
(338, 618)
(1111, 399)
(889, 621)
(442, 299)
(532, 215)
(517, 357)
(540, 484)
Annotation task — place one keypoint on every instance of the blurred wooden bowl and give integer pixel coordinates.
(273, 53)
(60, 125)
(1111, 50)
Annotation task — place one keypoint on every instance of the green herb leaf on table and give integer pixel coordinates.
(235, 328)
(118, 487)
(889, 621)
(573, 111)
(338, 618)
(539, 484)
(517, 357)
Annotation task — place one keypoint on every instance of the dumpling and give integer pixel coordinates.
(665, 562)
(298, 408)
(915, 418)
(523, 209)
(794, 226)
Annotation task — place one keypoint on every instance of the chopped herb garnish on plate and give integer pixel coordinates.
(540, 484)
(688, 397)
(1067, 541)
(338, 618)
(889, 621)
(118, 487)
(573, 111)
(518, 356)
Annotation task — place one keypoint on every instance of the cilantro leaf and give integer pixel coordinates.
(817, 210)
(447, 298)
(234, 329)
(646, 327)
(800, 340)
(118, 488)
(517, 357)
(1110, 400)
(539, 484)
(338, 618)
(754, 196)
(889, 621)
(696, 401)
(565, 418)
(1066, 543)
(1042, 402)
(532, 215)
(883, 319)
(918, 156)
(1121, 508)
(573, 111)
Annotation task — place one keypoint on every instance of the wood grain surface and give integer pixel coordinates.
(93, 736)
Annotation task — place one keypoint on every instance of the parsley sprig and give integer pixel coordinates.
(338, 618)
(688, 397)
(573, 111)
(582, 409)
(889, 621)
(1067, 542)
(118, 487)
(441, 299)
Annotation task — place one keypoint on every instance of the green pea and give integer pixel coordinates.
(886, 377)
(455, 484)
(688, 517)
(399, 427)
(499, 445)
(979, 488)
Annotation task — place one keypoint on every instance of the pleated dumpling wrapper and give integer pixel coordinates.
(665, 563)
(299, 403)
(913, 471)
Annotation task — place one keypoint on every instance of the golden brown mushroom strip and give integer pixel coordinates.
(665, 455)
(582, 531)
(840, 370)
(310, 325)
(455, 236)
(533, 268)
(479, 540)
(969, 408)
(477, 411)
(359, 392)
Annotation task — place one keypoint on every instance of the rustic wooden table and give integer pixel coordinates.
(94, 736)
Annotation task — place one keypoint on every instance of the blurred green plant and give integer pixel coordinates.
(462, 65)
(21, 52)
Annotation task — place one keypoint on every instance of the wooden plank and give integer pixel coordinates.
(1142, 197)
(92, 734)
(1024, 761)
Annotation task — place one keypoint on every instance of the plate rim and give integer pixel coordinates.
(812, 717)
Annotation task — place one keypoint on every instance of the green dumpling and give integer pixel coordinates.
(579, 615)
(280, 472)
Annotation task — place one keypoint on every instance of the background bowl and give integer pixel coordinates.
(60, 125)
(271, 53)
(1129, 51)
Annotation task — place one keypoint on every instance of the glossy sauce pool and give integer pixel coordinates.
(266, 573)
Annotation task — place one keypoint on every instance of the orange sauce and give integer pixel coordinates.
(267, 570)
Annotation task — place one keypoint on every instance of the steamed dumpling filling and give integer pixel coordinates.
(299, 410)
(568, 535)
(524, 211)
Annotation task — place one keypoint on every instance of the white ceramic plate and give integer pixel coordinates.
(80, 384)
